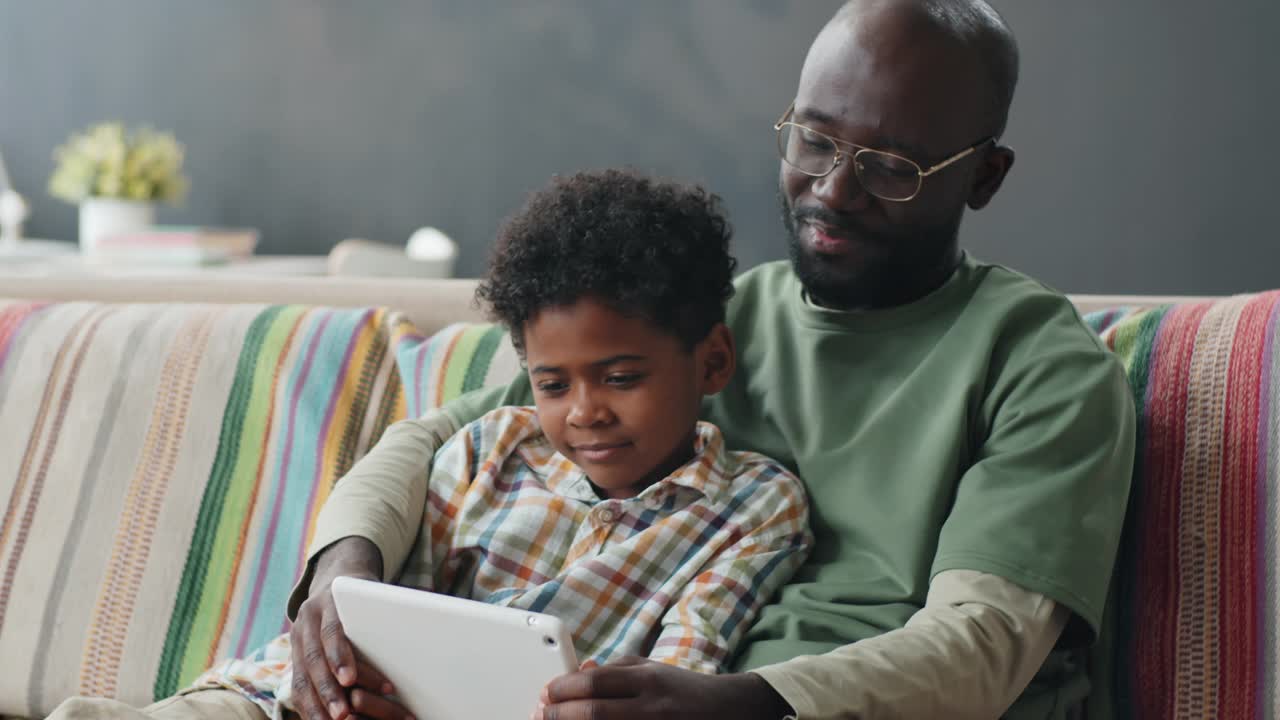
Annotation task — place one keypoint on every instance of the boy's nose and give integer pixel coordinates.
(587, 411)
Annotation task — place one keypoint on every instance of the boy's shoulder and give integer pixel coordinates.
(507, 426)
(745, 468)
(759, 478)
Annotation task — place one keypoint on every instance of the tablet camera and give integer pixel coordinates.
(549, 641)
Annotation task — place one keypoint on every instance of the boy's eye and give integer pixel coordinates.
(552, 387)
(623, 379)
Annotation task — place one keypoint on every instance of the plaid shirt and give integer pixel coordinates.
(676, 573)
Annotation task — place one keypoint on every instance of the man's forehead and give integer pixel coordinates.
(891, 75)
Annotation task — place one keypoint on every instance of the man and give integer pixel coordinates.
(965, 441)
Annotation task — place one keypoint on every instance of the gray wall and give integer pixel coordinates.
(1143, 163)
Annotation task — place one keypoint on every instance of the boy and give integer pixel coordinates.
(607, 504)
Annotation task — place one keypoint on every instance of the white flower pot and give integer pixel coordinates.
(102, 217)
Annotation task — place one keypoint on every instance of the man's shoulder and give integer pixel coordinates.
(1025, 310)
(760, 294)
(1039, 342)
(767, 280)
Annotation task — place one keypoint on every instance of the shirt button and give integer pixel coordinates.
(608, 515)
(653, 502)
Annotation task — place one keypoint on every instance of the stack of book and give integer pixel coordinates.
(177, 245)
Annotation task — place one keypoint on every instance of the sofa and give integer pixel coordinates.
(165, 444)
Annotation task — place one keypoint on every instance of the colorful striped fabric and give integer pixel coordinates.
(1198, 629)
(459, 358)
(161, 467)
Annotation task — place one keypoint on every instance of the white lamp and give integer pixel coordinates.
(429, 254)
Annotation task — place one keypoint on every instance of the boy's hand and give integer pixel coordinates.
(638, 689)
(328, 679)
(369, 696)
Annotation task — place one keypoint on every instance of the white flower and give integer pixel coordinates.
(108, 161)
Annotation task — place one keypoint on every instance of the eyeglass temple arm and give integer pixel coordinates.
(957, 157)
(790, 108)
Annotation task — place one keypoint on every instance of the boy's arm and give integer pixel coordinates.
(382, 498)
(706, 622)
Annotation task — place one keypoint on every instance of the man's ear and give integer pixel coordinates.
(717, 358)
(996, 163)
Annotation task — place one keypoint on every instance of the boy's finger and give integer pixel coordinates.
(374, 706)
(371, 678)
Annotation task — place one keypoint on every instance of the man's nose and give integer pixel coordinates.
(840, 190)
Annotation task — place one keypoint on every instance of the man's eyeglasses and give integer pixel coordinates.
(883, 174)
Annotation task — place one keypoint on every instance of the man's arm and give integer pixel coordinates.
(967, 654)
(382, 498)
(328, 680)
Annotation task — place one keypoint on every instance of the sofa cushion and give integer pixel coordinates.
(1197, 599)
(160, 470)
(458, 359)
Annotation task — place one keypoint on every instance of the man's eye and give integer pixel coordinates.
(552, 387)
(814, 140)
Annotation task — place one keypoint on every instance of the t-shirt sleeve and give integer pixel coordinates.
(1043, 503)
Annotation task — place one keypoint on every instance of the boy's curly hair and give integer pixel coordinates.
(648, 248)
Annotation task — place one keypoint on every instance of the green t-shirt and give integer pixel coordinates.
(982, 427)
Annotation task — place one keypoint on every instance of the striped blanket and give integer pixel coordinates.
(161, 467)
(1197, 627)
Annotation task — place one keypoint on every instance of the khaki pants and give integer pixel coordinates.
(206, 704)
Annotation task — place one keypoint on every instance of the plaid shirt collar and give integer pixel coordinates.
(704, 473)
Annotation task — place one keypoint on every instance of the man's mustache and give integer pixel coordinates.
(833, 221)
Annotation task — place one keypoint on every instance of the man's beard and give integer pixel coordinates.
(911, 261)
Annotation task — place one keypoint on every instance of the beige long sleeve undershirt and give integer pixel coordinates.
(967, 653)
(382, 498)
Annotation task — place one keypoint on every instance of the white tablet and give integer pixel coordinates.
(454, 659)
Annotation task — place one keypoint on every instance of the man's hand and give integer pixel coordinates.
(329, 681)
(638, 689)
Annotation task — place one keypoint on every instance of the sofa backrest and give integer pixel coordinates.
(1195, 600)
(427, 304)
(161, 467)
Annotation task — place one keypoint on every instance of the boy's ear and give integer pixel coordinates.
(717, 358)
